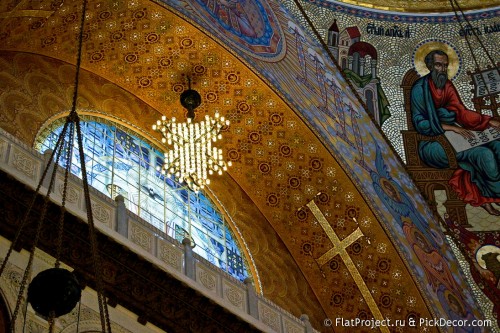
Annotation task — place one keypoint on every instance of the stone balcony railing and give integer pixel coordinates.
(113, 219)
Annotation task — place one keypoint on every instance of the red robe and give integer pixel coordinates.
(460, 181)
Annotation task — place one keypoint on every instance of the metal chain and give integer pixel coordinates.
(69, 154)
(74, 120)
(465, 34)
(469, 25)
(27, 271)
(51, 321)
(35, 195)
(79, 56)
(103, 310)
(92, 234)
(78, 318)
(330, 54)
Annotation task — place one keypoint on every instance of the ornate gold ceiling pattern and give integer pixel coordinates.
(278, 162)
(283, 282)
(310, 82)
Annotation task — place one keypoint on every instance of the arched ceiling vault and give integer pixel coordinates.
(136, 58)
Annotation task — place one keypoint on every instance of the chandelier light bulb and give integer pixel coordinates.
(191, 158)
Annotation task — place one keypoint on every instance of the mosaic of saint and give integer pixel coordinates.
(436, 109)
(455, 150)
(252, 24)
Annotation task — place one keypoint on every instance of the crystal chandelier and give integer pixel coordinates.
(192, 157)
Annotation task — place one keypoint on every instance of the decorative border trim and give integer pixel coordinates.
(397, 17)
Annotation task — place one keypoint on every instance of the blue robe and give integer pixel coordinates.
(481, 162)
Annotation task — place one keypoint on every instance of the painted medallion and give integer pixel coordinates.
(250, 25)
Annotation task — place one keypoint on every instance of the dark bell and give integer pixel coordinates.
(55, 289)
(190, 99)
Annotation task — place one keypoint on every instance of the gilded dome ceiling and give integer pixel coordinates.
(285, 181)
(135, 63)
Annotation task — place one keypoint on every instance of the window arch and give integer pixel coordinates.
(369, 97)
(344, 63)
(119, 162)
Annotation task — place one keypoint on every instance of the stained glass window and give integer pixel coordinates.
(118, 162)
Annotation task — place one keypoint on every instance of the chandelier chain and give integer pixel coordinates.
(455, 3)
(27, 271)
(51, 321)
(31, 204)
(103, 308)
(69, 153)
(73, 117)
(79, 57)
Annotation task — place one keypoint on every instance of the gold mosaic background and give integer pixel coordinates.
(137, 56)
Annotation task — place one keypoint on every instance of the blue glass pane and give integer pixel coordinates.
(235, 263)
(120, 163)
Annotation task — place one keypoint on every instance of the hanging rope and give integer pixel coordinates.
(27, 271)
(456, 8)
(330, 54)
(69, 153)
(455, 5)
(75, 119)
(30, 206)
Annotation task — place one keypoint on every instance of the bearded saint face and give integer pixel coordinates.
(439, 72)
(439, 79)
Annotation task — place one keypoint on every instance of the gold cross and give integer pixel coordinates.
(339, 248)
(17, 12)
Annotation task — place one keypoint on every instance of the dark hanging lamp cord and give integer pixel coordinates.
(36, 237)
(73, 117)
(456, 8)
(72, 121)
(330, 54)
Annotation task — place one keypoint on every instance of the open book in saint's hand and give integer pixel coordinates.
(460, 143)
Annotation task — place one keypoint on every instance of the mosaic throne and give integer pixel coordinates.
(429, 179)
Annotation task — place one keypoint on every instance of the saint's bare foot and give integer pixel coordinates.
(490, 209)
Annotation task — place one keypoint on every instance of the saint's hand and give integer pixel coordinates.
(494, 123)
(459, 130)
(464, 132)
